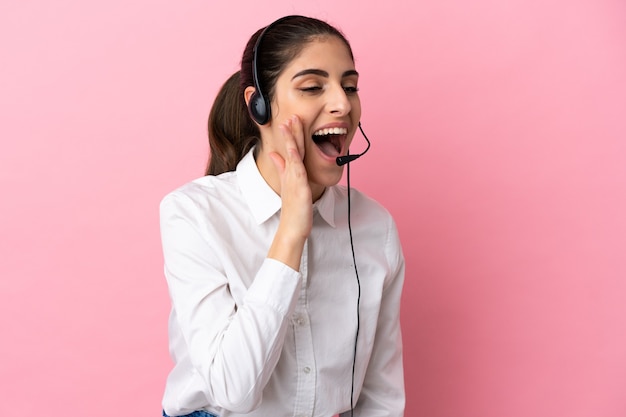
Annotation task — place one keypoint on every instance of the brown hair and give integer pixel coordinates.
(232, 133)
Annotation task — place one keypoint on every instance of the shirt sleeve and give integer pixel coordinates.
(382, 394)
(234, 348)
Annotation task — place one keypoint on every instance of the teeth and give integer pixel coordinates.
(331, 131)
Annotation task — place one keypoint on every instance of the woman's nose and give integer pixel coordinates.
(338, 103)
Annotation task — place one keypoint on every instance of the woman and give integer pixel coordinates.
(269, 316)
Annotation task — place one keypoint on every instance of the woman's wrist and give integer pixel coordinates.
(287, 249)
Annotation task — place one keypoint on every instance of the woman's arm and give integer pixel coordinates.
(234, 348)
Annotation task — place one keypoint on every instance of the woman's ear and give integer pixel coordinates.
(247, 93)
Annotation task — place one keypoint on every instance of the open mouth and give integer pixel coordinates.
(330, 140)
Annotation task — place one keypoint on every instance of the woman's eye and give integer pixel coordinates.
(351, 90)
(311, 89)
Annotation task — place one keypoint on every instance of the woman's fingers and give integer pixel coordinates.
(298, 135)
(294, 136)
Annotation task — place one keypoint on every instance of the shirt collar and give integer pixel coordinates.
(325, 206)
(263, 201)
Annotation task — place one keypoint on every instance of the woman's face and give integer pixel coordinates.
(320, 87)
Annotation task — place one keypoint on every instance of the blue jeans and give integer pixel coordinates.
(194, 414)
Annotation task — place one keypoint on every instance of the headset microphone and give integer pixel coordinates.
(342, 160)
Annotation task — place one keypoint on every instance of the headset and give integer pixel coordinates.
(259, 105)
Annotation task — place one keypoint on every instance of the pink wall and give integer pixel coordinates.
(499, 133)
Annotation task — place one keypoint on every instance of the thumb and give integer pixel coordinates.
(278, 161)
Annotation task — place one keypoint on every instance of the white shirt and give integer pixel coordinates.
(251, 336)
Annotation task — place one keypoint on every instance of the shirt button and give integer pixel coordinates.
(307, 370)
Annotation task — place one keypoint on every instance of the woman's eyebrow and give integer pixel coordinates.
(322, 73)
(313, 71)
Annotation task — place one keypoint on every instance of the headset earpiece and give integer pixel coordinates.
(258, 107)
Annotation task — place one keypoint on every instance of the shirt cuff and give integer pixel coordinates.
(275, 285)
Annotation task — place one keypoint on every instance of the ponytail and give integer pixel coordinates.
(232, 133)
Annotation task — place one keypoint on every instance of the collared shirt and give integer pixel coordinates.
(251, 336)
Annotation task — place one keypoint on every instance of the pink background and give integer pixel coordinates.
(499, 144)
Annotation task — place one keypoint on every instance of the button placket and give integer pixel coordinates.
(305, 360)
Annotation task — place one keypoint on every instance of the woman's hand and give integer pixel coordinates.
(296, 216)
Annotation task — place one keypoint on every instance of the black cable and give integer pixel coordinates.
(358, 299)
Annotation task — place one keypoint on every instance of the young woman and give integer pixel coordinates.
(285, 286)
